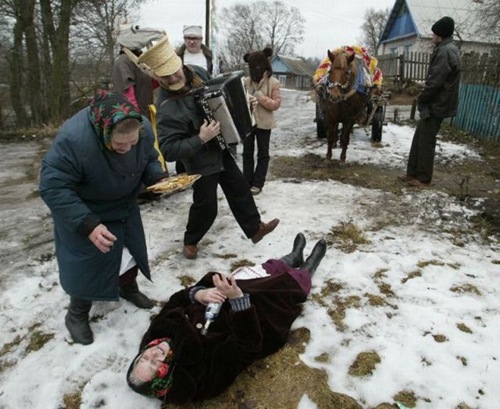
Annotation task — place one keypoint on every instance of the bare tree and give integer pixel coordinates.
(95, 28)
(283, 27)
(241, 25)
(37, 50)
(489, 20)
(253, 26)
(373, 28)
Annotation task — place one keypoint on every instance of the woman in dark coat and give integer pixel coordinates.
(177, 363)
(90, 179)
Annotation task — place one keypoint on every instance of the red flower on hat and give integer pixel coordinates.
(162, 371)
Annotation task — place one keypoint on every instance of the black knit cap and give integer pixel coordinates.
(444, 27)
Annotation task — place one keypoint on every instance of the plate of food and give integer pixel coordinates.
(174, 183)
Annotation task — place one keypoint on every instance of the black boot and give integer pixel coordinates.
(77, 321)
(312, 262)
(131, 293)
(296, 257)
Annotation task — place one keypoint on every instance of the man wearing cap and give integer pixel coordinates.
(438, 100)
(193, 51)
(186, 135)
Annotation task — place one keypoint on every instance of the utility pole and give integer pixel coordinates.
(207, 23)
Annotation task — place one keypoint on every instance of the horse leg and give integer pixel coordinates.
(330, 132)
(336, 134)
(344, 139)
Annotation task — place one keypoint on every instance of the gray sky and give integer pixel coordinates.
(329, 23)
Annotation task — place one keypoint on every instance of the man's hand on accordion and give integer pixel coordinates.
(209, 130)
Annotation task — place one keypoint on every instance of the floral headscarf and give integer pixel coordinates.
(106, 110)
(162, 380)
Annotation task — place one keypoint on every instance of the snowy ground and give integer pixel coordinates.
(435, 332)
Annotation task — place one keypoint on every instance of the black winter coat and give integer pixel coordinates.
(179, 122)
(440, 94)
(207, 365)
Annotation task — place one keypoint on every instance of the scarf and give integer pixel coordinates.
(106, 110)
(163, 379)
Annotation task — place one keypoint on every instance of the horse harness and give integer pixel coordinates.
(330, 85)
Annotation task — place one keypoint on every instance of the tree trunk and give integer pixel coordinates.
(33, 83)
(58, 86)
(16, 82)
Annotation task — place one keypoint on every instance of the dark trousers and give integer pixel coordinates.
(179, 167)
(204, 209)
(256, 175)
(128, 277)
(423, 147)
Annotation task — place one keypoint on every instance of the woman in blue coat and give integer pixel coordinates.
(90, 179)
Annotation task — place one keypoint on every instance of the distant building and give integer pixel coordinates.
(292, 72)
(408, 28)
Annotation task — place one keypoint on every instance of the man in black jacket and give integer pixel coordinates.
(185, 134)
(438, 100)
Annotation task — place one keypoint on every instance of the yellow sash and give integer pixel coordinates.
(152, 115)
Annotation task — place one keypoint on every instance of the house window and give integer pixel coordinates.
(282, 79)
(394, 50)
(407, 49)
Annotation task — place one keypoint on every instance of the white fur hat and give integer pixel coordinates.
(192, 31)
(135, 37)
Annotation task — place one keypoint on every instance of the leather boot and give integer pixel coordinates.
(131, 293)
(77, 321)
(264, 228)
(296, 257)
(312, 262)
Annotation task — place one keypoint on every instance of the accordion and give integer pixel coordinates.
(224, 99)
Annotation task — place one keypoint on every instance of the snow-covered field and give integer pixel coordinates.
(435, 332)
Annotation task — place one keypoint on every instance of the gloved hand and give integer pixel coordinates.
(424, 111)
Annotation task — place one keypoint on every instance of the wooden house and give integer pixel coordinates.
(292, 72)
(408, 28)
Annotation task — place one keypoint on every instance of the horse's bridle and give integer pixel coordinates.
(344, 86)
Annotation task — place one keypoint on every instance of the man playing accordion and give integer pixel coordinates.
(185, 134)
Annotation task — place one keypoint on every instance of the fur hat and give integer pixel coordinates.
(135, 37)
(192, 31)
(161, 59)
(258, 63)
(444, 27)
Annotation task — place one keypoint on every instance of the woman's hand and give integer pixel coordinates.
(102, 238)
(253, 102)
(208, 295)
(228, 289)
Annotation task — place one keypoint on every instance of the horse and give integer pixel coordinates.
(341, 102)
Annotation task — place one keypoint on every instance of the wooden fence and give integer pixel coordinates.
(479, 104)
(405, 67)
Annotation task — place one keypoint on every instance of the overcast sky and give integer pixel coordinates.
(329, 23)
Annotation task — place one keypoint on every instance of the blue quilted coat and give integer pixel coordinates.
(84, 184)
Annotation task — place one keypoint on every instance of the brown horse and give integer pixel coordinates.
(342, 104)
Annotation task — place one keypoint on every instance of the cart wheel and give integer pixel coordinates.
(377, 124)
(320, 123)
